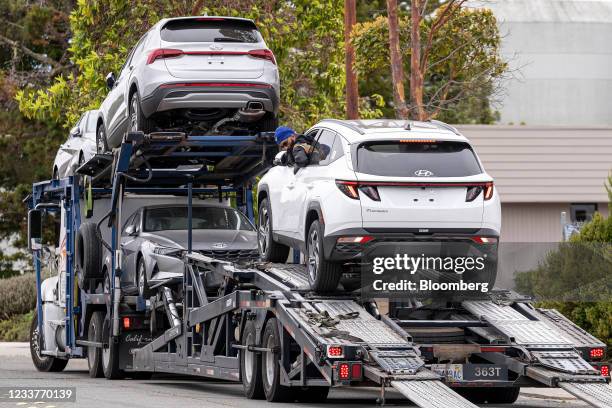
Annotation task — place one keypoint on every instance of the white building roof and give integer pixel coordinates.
(563, 11)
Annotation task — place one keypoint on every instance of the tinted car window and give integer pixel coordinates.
(175, 218)
(405, 159)
(324, 144)
(194, 30)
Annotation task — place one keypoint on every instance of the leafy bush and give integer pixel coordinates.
(551, 279)
(17, 295)
(17, 328)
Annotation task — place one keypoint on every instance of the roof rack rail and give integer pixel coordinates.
(345, 124)
(443, 125)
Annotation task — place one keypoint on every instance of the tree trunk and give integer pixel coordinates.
(352, 90)
(397, 68)
(416, 74)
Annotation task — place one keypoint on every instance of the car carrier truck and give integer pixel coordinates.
(260, 324)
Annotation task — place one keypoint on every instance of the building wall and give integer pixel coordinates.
(536, 222)
(560, 60)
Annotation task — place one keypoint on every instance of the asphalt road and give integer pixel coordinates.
(16, 370)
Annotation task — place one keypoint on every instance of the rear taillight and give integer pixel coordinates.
(161, 53)
(263, 54)
(488, 191)
(349, 188)
(370, 191)
(349, 371)
(605, 370)
(472, 193)
(596, 353)
(485, 240)
(335, 351)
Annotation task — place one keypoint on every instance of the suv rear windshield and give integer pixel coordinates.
(176, 218)
(194, 30)
(409, 159)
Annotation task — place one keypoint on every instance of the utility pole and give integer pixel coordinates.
(416, 71)
(397, 68)
(352, 89)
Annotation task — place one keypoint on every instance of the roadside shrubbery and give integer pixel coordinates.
(17, 295)
(590, 305)
(17, 328)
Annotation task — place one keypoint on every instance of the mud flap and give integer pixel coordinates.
(431, 394)
(597, 394)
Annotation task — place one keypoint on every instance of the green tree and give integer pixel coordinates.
(464, 67)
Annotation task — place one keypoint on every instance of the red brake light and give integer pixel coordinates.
(355, 240)
(126, 322)
(605, 370)
(596, 353)
(344, 371)
(349, 188)
(263, 54)
(485, 240)
(335, 351)
(161, 53)
(488, 191)
(356, 371)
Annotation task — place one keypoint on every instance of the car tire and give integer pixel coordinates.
(270, 365)
(269, 250)
(94, 354)
(43, 363)
(88, 253)
(323, 275)
(250, 364)
(141, 279)
(138, 121)
(101, 140)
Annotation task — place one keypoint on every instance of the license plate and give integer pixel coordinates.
(452, 372)
(471, 372)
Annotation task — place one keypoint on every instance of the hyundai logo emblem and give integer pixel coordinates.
(219, 245)
(216, 47)
(423, 173)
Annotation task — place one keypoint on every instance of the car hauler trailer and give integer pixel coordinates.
(260, 324)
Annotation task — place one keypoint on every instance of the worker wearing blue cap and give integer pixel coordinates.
(301, 149)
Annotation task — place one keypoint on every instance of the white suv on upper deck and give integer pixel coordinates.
(380, 180)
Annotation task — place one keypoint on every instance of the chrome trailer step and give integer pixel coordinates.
(597, 394)
(431, 394)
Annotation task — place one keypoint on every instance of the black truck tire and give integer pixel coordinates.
(270, 366)
(269, 250)
(110, 354)
(94, 354)
(250, 364)
(43, 363)
(323, 274)
(88, 254)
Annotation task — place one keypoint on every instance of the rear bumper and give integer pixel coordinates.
(334, 251)
(189, 96)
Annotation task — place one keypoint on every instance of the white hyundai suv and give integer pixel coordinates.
(379, 181)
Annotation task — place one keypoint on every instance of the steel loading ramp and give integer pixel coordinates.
(597, 394)
(431, 394)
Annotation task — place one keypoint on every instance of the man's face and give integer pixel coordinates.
(287, 143)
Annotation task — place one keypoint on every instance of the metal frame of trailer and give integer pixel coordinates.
(338, 340)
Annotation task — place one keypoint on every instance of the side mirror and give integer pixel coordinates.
(110, 80)
(280, 159)
(34, 229)
(76, 132)
(130, 230)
